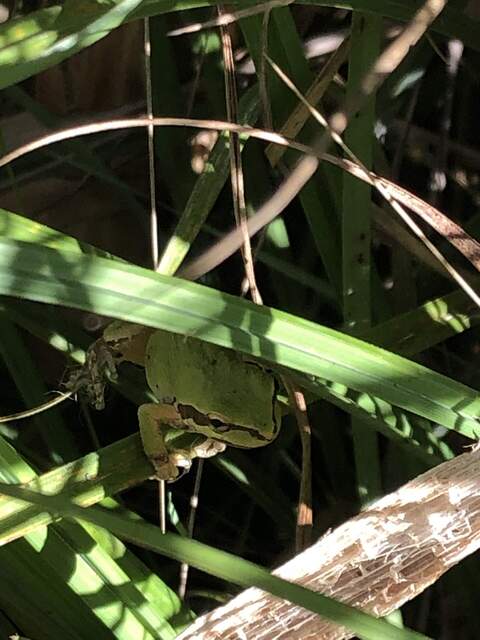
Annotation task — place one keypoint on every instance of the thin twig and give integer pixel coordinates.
(151, 148)
(236, 172)
(226, 18)
(153, 209)
(378, 184)
(304, 516)
(304, 530)
(28, 413)
(184, 567)
(232, 241)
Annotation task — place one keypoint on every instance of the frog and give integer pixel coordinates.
(207, 397)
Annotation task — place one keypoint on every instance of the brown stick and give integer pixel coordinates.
(304, 515)
(376, 561)
(303, 537)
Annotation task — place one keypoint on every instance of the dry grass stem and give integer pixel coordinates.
(236, 170)
(229, 17)
(467, 245)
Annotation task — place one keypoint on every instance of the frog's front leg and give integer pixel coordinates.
(154, 423)
(167, 442)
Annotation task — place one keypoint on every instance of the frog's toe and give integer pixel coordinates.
(181, 458)
(209, 448)
(165, 469)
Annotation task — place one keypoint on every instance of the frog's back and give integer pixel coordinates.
(213, 379)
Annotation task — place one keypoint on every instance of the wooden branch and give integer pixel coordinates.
(376, 561)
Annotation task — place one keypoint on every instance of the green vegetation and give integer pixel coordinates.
(356, 311)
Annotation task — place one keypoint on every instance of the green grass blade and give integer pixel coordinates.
(381, 416)
(357, 267)
(71, 546)
(219, 563)
(43, 38)
(205, 192)
(427, 325)
(31, 587)
(89, 480)
(131, 293)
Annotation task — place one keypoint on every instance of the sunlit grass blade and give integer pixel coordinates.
(427, 325)
(400, 427)
(205, 192)
(219, 563)
(39, 40)
(44, 38)
(100, 285)
(74, 566)
(89, 480)
(30, 587)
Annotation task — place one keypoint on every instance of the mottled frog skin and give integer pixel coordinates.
(208, 397)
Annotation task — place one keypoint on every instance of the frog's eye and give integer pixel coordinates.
(219, 425)
(189, 412)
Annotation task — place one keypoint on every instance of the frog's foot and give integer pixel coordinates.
(173, 467)
(167, 468)
(209, 448)
(180, 461)
(92, 376)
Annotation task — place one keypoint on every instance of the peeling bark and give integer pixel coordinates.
(377, 561)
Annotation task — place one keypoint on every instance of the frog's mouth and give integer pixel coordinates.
(203, 419)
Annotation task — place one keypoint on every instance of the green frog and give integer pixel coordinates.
(208, 396)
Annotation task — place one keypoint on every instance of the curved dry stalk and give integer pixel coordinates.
(304, 529)
(227, 18)
(29, 413)
(376, 561)
(457, 236)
